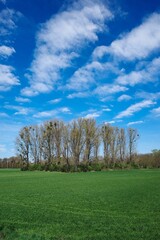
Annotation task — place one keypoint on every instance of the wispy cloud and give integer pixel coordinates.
(6, 51)
(79, 95)
(84, 77)
(8, 78)
(22, 100)
(19, 110)
(8, 21)
(135, 108)
(156, 112)
(88, 75)
(99, 52)
(92, 115)
(148, 73)
(109, 89)
(110, 122)
(140, 42)
(124, 97)
(60, 40)
(106, 110)
(147, 95)
(134, 123)
(52, 113)
(54, 101)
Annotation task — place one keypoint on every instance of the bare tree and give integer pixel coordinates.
(57, 134)
(35, 143)
(122, 144)
(114, 131)
(66, 144)
(106, 138)
(97, 142)
(48, 142)
(90, 135)
(77, 140)
(132, 140)
(23, 145)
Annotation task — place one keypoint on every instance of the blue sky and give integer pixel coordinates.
(71, 59)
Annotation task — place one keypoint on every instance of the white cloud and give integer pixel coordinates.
(156, 112)
(148, 73)
(8, 21)
(124, 97)
(6, 51)
(22, 100)
(65, 110)
(19, 110)
(99, 52)
(28, 92)
(140, 42)
(84, 77)
(52, 113)
(110, 122)
(135, 108)
(7, 78)
(131, 79)
(134, 123)
(109, 89)
(92, 115)
(78, 95)
(60, 40)
(54, 101)
(147, 95)
(88, 75)
(106, 110)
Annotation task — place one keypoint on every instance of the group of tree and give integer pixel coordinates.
(78, 145)
(149, 160)
(11, 162)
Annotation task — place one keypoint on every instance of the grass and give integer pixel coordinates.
(114, 205)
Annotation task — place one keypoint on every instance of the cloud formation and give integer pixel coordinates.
(6, 51)
(135, 108)
(124, 97)
(60, 40)
(149, 72)
(7, 78)
(8, 21)
(134, 123)
(52, 113)
(109, 89)
(139, 43)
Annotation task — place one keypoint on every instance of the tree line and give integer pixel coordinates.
(79, 144)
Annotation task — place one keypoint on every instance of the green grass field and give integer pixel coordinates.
(111, 205)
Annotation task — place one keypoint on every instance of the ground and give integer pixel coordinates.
(80, 206)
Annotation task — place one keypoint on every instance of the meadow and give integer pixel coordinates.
(112, 205)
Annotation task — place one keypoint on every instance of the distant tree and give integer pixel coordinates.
(35, 143)
(48, 142)
(156, 158)
(77, 140)
(90, 137)
(132, 143)
(57, 135)
(97, 142)
(56, 143)
(65, 148)
(122, 144)
(106, 132)
(23, 145)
